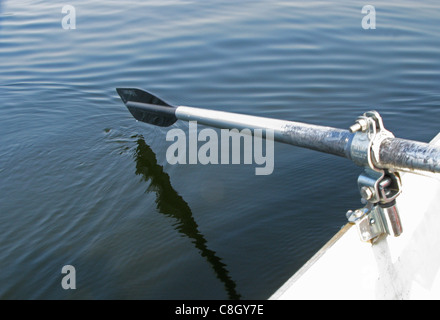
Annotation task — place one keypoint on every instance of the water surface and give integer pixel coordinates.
(83, 184)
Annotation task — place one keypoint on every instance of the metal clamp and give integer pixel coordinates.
(369, 134)
(378, 188)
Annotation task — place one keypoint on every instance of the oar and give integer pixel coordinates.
(392, 153)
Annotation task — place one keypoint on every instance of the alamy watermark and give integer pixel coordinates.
(369, 20)
(69, 280)
(225, 149)
(69, 20)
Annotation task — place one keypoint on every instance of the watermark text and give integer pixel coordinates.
(69, 20)
(225, 149)
(69, 280)
(369, 20)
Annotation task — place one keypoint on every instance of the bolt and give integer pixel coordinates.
(358, 213)
(367, 193)
(354, 128)
(360, 125)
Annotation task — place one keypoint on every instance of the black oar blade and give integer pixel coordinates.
(147, 108)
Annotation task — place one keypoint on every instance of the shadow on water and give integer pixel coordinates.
(170, 203)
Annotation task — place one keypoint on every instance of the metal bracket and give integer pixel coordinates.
(378, 188)
(368, 222)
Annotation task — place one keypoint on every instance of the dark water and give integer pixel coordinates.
(83, 184)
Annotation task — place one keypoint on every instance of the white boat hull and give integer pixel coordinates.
(404, 267)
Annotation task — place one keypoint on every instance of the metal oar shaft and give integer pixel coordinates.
(319, 138)
(404, 155)
(394, 153)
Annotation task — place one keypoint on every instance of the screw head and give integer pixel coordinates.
(367, 193)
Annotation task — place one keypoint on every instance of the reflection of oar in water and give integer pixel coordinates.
(169, 202)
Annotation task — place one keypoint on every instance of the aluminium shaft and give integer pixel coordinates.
(394, 153)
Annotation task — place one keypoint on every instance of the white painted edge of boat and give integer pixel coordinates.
(404, 267)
